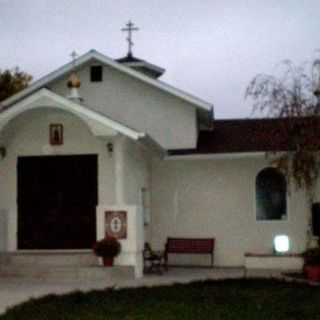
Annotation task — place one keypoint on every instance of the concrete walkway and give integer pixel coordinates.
(14, 291)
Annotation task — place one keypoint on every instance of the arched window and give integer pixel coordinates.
(271, 195)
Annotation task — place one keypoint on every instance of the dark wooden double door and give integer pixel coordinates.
(57, 198)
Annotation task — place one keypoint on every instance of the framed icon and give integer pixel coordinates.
(56, 134)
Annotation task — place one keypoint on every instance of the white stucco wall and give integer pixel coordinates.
(216, 198)
(167, 119)
(28, 135)
(137, 169)
(137, 172)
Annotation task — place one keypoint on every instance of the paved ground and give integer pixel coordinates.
(14, 291)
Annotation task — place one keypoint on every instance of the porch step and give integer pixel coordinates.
(49, 258)
(68, 273)
(61, 266)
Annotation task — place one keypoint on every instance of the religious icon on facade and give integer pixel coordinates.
(116, 224)
(56, 134)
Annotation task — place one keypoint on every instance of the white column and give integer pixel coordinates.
(132, 245)
(3, 230)
(119, 169)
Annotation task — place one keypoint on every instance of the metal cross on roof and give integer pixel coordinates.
(130, 27)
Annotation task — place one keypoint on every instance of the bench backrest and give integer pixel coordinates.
(187, 245)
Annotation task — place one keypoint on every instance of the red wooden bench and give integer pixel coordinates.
(189, 246)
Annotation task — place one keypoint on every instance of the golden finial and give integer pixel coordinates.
(74, 81)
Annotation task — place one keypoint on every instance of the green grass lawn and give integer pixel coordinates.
(228, 299)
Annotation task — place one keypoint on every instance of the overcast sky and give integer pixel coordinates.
(210, 48)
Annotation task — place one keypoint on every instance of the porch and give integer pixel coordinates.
(52, 200)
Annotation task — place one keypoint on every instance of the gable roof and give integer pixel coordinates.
(95, 55)
(246, 136)
(47, 98)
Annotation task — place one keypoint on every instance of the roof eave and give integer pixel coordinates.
(146, 65)
(80, 109)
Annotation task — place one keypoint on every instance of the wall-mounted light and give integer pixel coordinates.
(110, 148)
(281, 244)
(3, 152)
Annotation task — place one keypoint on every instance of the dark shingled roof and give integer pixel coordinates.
(141, 65)
(129, 58)
(246, 135)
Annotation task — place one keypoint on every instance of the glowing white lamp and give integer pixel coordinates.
(281, 244)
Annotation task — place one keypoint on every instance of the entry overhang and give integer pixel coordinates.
(99, 124)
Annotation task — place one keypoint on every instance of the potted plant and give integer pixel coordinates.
(107, 248)
(312, 263)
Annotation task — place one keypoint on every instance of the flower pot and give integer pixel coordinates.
(312, 272)
(107, 261)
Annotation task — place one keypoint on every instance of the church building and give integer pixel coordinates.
(101, 138)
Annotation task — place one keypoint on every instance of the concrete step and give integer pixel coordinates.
(68, 273)
(49, 258)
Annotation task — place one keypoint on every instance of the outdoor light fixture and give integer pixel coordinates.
(281, 244)
(110, 147)
(3, 152)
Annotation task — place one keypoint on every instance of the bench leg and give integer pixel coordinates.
(165, 261)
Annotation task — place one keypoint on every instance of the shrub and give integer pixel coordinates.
(108, 247)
